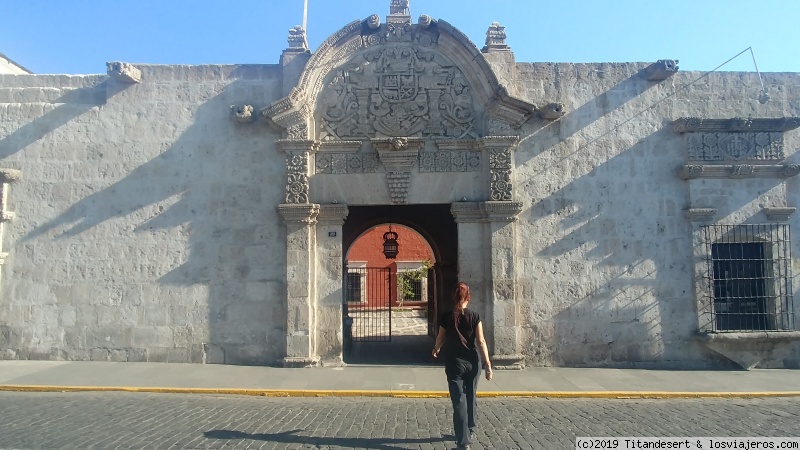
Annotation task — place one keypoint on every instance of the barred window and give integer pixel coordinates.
(749, 279)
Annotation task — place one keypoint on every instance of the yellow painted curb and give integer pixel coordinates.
(401, 393)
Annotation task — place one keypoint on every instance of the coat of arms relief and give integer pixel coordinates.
(397, 90)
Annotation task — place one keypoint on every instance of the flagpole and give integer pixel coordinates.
(305, 16)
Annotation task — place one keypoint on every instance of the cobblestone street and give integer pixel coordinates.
(137, 420)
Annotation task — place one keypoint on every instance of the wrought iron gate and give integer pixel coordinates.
(367, 309)
(433, 308)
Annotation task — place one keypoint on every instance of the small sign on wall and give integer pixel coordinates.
(331, 234)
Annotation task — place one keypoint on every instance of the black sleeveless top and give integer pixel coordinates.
(460, 342)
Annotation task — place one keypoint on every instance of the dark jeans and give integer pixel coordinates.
(462, 381)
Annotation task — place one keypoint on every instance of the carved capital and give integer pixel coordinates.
(333, 214)
(294, 146)
(661, 69)
(299, 213)
(779, 213)
(467, 212)
(10, 175)
(502, 211)
(700, 214)
(124, 72)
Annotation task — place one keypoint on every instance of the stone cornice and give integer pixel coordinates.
(779, 213)
(734, 171)
(333, 214)
(502, 142)
(292, 145)
(305, 213)
(491, 211)
(340, 146)
(700, 214)
(456, 144)
(695, 124)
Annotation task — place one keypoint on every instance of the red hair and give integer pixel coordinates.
(460, 296)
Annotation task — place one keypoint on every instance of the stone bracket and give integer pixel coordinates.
(124, 72)
(779, 213)
(661, 70)
(700, 214)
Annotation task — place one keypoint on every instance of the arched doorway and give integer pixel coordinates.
(383, 324)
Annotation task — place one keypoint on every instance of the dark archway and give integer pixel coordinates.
(437, 225)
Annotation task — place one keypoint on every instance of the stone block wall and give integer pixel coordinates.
(145, 226)
(606, 251)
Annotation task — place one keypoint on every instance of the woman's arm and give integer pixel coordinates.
(484, 351)
(437, 347)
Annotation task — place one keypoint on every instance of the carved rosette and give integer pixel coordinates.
(500, 163)
(297, 186)
(343, 163)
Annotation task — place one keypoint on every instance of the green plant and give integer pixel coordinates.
(407, 278)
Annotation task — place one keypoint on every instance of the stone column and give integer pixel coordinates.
(330, 275)
(300, 222)
(300, 217)
(487, 233)
(501, 217)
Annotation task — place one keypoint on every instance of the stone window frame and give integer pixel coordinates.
(778, 255)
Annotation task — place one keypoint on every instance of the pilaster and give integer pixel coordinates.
(493, 222)
(301, 336)
(330, 272)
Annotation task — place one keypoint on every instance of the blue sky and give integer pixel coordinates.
(79, 36)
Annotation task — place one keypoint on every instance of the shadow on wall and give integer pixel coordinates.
(198, 249)
(622, 249)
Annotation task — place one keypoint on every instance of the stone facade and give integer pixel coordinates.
(196, 213)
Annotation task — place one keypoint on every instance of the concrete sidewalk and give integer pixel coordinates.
(389, 381)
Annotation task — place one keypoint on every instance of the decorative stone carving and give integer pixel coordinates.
(697, 125)
(496, 39)
(691, 171)
(243, 113)
(297, 185)
(297, 39)
(373, 22)
(425, 21)
(552, 111)
(700, 214)
(297, 131)
(779, 213)
(450, 161)
(343, 163)
(661, 69)
(398, 163)
(299, 213)
(397, 90)
(124, 72)
(499, 127)
(10, 175)
(735, 146)
(500, 173)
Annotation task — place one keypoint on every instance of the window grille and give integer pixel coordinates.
(749, 281)
(355, 287)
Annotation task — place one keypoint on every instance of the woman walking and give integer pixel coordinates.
(459, 332)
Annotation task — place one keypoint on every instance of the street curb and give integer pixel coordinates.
(400, 393)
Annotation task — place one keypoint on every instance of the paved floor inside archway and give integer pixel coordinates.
(410, 344)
